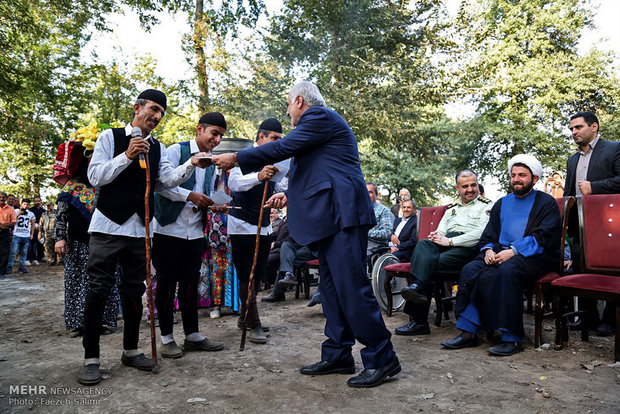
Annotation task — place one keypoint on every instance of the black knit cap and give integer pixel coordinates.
(213, 118)
(156, 96)
(271, 124)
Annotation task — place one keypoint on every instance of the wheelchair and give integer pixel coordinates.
(377, 276)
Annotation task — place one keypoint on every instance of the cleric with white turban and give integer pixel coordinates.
(520, 243)
(529, 160)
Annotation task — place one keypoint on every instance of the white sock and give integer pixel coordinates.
(131, 352)
(194, 337)
(89, 361)
(166, 339)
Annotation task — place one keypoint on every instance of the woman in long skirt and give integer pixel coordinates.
(75, 205)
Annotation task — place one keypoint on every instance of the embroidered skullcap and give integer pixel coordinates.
(156, 96)
(213, 118)
(527, 159)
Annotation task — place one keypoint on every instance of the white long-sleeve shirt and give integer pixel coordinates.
(188, 224)
(105, 167)
(238, 182)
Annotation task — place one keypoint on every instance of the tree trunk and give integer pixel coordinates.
(200, 28)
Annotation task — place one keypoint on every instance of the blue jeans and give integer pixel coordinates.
(19, 244)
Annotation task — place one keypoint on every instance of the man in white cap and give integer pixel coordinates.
(520, 243)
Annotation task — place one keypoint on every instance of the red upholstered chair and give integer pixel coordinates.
(543, 285)
(428, 220)
(599, 227)
(303, 278)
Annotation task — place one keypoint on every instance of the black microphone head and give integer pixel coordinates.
(136, 132)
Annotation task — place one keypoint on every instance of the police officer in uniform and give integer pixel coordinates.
(450, 247)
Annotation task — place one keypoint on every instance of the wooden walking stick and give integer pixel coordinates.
(149, 288)
(251, 282)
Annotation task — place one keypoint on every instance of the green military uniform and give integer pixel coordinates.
(467, 219)
(463, 225)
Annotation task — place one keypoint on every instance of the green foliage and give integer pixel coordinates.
(40, 83)
(524, 76)
(372, 61)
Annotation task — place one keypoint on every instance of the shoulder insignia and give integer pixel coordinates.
(484, 200)
(449, 206)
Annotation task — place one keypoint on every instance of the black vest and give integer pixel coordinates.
(249, 201)
(124, 196)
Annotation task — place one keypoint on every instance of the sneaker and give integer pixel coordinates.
(215, 314)
(257, 335)
(27, 263)
(35, 262)
(171, 350)
(22, 269)
(289, 280)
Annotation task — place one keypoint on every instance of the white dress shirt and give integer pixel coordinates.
(188, 224)
(105, 167)
(399, 228)
(238, 182)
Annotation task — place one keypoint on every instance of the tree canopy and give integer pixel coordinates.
(393, 69)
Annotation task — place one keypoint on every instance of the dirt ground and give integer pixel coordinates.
(37, 352)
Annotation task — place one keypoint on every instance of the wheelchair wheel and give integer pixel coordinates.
(378, 280)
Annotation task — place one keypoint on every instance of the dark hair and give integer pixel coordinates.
(520, 164)
(587, 116)
(480, 188)
(264, 132)
(373, 185)
(465, 173)
(26, 200)
(409, 200)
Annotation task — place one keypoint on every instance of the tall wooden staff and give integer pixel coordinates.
(251, 282)
(147, 239)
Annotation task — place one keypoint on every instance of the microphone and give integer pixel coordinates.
(137, 132)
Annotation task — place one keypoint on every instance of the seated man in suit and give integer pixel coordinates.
(520, 243)
(448, 248)
(405, 233)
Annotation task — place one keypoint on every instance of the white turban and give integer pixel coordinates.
(529, 160)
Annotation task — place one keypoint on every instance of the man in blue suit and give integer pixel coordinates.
(329, 209)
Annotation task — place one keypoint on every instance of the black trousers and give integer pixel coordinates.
(105, 252)
(5, 249)
(243, 254)
(177, 261)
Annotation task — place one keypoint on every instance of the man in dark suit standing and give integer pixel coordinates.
(404, 234)
(593, 169)
(330, 210)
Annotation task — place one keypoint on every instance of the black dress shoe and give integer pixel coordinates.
(604, 329)
(414, 293)
(464, 340)
(413, 328)
(139, 361)
(272, 297)
(330, 367)
(506, 349)
(369, 378)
